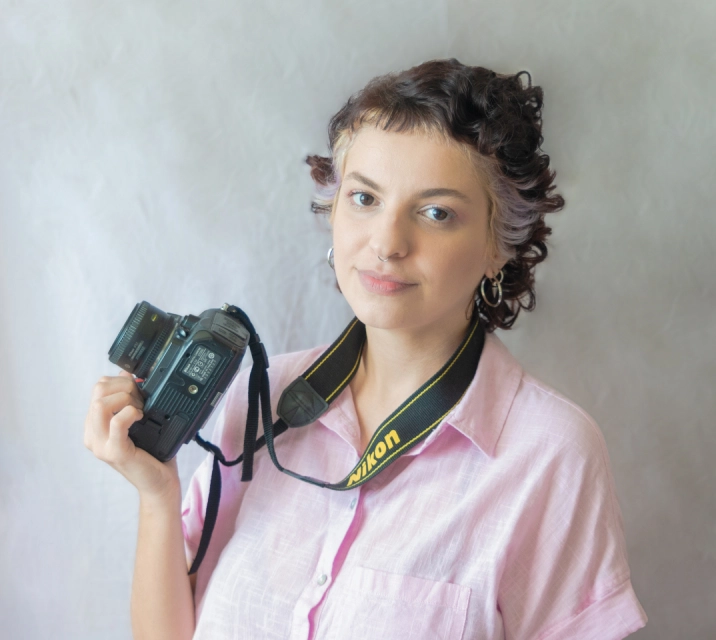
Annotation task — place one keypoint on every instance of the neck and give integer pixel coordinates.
(395, 363)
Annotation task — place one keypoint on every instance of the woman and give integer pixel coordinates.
(503, 522)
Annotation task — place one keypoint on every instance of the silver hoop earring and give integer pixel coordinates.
(383, 259)
(496, 284)
(329, 258)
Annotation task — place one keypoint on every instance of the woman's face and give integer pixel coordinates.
(416, 200)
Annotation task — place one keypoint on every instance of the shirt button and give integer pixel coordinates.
(354, 502)
(322, 579)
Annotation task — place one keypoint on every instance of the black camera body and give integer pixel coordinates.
(183, 365)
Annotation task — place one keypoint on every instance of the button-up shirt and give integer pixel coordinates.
(502, 524)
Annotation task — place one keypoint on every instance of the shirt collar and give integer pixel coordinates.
(480, 415)
(482, 412)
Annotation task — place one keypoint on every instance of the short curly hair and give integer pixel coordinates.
(498, 123)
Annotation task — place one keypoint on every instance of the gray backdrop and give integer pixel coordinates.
(154, 150)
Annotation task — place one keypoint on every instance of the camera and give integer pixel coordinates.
(183, 365)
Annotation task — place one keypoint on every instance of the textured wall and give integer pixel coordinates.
(153, 150)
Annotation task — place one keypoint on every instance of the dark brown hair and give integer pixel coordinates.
(498, 122)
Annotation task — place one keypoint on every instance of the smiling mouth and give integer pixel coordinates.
(382, 283)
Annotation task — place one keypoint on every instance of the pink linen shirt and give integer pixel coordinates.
(503, 524)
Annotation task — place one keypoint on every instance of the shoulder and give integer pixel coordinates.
(507, 411)
(283, 369)
(555, 419)
(537, 417)
(558, 444)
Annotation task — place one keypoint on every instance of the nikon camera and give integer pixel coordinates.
(183, 365)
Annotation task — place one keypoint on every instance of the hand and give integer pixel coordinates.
(115, 406)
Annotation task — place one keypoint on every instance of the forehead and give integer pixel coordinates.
(411, 159)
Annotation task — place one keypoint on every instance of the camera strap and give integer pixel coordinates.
(310, 395)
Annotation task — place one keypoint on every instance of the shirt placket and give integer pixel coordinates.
(345, 504)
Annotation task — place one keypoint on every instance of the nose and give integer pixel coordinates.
(390, 233)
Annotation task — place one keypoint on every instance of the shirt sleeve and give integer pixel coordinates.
(566, 570)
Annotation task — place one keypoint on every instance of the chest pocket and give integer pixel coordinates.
(376, 604)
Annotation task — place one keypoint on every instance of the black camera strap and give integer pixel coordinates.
(309, 396)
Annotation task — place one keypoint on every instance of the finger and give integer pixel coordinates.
(103, 409)
(108, 385)
(119, 443)
(125, 374)
(114, 403)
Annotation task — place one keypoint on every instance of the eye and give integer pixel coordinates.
(437, 214)
(361, 198)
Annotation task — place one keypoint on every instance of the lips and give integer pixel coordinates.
(383, 283)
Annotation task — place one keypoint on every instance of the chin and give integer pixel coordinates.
(386, 314)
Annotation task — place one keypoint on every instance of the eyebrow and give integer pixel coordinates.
(428, 193)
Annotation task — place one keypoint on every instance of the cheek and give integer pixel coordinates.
(456, 268)
(348, 237)
(347, 246)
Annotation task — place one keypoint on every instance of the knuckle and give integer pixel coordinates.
(121, 421)
(99, 389)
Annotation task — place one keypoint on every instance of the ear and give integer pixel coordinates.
(494, 268)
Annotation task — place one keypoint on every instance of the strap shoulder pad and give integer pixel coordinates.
(300, 404)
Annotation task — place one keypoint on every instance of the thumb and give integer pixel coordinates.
(125, 374)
